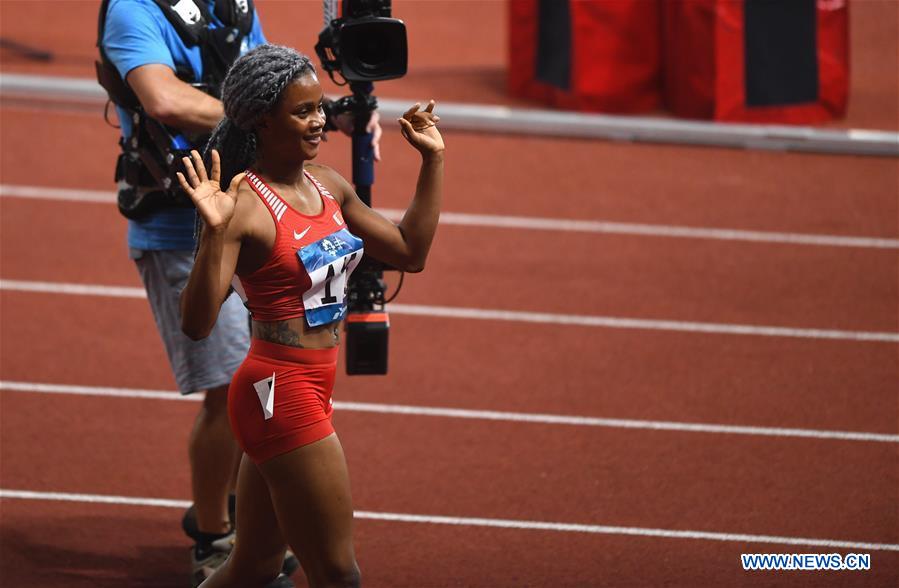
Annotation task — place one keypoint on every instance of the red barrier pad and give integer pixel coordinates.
(756, 60)
(593, 55)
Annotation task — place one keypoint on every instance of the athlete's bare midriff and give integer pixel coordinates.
(296, 333)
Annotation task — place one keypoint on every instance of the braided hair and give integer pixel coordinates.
(250, 90)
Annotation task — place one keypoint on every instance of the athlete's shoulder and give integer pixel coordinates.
(329, 178)
(246, 195)
(247, 208)
(319, 169)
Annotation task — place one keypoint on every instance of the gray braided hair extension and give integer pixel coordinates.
(250, 90)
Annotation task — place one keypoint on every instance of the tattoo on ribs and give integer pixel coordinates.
(279, 333)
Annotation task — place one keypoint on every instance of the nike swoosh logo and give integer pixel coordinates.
(299, 236)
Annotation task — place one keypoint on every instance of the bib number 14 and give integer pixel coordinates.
(329, 298)
(329, 263)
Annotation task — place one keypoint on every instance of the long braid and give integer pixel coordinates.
(250, 90)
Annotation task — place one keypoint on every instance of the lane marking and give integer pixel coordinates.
(523, 525)
(64, 194)
(579, 320)
(75, 289)
(93, 498)
(487, 415)
(536, 223)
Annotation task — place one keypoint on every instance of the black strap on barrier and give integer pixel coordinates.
(553, 64)
(780, 50)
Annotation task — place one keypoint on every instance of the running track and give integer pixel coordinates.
(648, 441)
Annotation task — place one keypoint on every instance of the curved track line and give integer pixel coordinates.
(536, 223)
(579, 320)
(489, 415)
(484, 522)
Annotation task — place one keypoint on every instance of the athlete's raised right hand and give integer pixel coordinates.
(215, 207)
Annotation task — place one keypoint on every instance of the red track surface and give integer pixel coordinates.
(726, 483)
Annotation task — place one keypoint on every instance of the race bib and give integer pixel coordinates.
(329, 263)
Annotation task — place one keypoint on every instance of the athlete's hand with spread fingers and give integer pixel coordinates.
(215, 207)
(419, 127)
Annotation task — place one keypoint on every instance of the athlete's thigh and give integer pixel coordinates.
(260, 544)
(310, 490)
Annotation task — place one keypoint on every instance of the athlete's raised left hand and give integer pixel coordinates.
(215, 207)
(419, 127)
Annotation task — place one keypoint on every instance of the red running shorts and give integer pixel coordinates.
(280, 398)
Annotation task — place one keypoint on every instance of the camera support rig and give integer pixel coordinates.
(367, 323)
(363, 45)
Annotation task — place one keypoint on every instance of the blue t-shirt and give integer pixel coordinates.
(138, 33)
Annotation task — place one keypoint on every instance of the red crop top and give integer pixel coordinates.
(307, 270)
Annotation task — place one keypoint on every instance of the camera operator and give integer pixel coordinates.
(163, 62)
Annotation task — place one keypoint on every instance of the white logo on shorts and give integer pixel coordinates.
(265, 390)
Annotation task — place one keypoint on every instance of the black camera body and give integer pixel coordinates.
(364, 44)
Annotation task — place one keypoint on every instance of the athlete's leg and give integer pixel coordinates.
(259, 549)
(213, 456)
(310, 491)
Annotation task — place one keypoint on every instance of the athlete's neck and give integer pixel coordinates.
(281, 172)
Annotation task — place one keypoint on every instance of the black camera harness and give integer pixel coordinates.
(152, 154)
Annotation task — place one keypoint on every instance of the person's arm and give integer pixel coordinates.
(219, 246)
(344, 123)
(134, 39)
(404, 246)
(172, 101)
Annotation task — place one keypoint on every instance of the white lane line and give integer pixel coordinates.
(536, 223)
(93, 498)
(640, 324)
(648, 230)
(579, 320)
(76, 289)
(64, 194)
(484, 522)
(488, 415)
